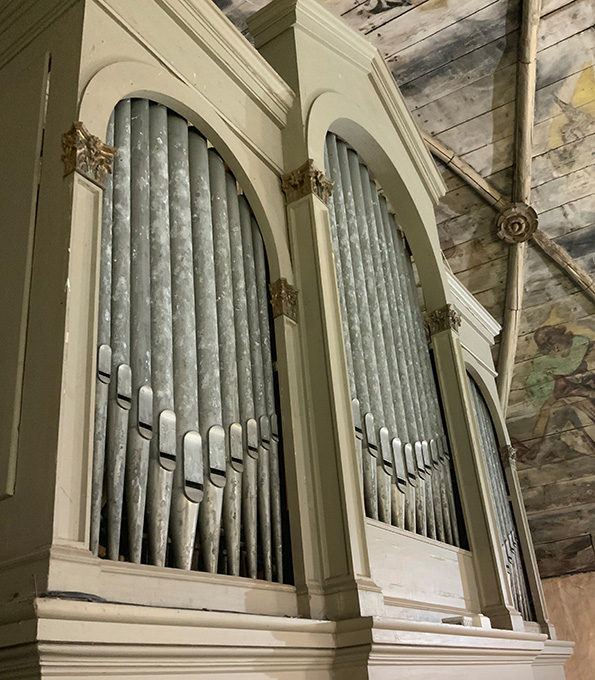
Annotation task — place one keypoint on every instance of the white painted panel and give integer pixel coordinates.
(419, 572)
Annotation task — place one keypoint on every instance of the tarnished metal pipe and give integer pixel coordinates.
(383, 400)
(246, 426)
(256, 402)
(409, 292)
(269, 391)
(188, 477)
(104, 354)
(140, 424)
(409, 377)
(120, 385)
(447, 503)
(504, 515)
(395, 409)
(372, 399)
(163, 444)
(214, 335)
(353, 323)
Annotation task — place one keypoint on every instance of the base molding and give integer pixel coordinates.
(75, 639)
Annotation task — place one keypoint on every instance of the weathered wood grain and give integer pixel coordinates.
(566, 556)
(422, 22)
(475, 252)
(567, 217)
(563, 161)
(555, 524)
(562, 494)
(564, 22)
(494, 22)
(369, 16)
(561, 190)
(572, 308)
(581, 466)
(450, 75)
(499, 122)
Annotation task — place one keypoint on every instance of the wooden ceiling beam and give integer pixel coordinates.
(566, 262)
(493, 197)
(459, 167)
(525, 108)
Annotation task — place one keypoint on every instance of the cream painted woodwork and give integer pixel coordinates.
(368, 601)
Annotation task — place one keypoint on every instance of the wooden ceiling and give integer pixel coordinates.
(456, 64)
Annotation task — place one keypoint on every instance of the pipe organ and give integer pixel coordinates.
(515, 568)
(407, 475)
(143, 414)
(186, 468)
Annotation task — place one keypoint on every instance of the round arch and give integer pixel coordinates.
(253, 171)
(491, 402)
(389, 162)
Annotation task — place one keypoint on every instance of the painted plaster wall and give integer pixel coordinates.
(571, 603)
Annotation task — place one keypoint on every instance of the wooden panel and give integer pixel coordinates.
(429, 572)
(21, 118)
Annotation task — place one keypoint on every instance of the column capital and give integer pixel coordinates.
(86, 154)
(307, 179)
(284, 299)
(443, 319)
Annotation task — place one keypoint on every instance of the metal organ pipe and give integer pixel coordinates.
(352, 303)
(104, 354)
(163, 444)
(186, 426)
(188, 477)
(140, 423)
(506, 524)
(407, 479)
(120, 384)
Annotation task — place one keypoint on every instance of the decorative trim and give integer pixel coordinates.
(86, 154)
(517, 223)
(443, 319)
(307, 179)
(284, 299)
(508, 456)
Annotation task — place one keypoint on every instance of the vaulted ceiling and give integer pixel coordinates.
(456, 64)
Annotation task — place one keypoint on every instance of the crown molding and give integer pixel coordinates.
(326, 28)
(394, 104)
(311, 17)
(21, 21)
(472, 311)
(214, 34)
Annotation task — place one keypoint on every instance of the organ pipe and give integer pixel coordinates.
(504, 516)
(407, 477)
(186, 442)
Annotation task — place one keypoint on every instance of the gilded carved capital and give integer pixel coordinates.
(306, 180)
(443, 319)
(284, 299)
(517, 223)
(86, 154)
(508, 456)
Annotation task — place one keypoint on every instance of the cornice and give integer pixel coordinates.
(214, 34)
(315, 20)
(224, 43)
(21, 21)
(472, 311)
(394, 104)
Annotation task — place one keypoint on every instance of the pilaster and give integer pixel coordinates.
(343, 587)
(480, 522)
